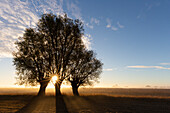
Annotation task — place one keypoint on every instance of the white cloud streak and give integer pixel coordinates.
(16, 15)
(146, 67)
(74, 9)
(76, 13)
(114, 28)
(87, 41)
(89, 25)
(94, 20)
(119, 25)
(109, 25)
(109, 69)
(146, 8)
(165, 63)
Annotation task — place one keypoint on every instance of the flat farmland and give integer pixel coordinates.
(91, 100)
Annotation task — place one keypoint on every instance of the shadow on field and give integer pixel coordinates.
(60, 105)
(108, 104)
(46, 104)
(96, 104)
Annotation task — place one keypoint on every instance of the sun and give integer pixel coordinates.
(54, 79)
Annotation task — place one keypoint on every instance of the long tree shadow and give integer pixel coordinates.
(46, 104)
(109, 104)
(60, 105)
(28, 105)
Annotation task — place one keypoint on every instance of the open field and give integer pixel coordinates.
(92, 100)
(116, 92)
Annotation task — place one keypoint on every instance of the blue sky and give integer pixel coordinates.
(132, 38)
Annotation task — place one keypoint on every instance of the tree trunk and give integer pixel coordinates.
(43, 85)
(75, 89)
(57, 89)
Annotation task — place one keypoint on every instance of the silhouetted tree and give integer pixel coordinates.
(29, 60)
(84, 70)
(47, 50)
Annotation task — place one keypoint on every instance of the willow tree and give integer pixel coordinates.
(29, 60)
(84, 70)
(57, 37)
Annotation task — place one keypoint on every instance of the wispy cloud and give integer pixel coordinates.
(74, 9)
(112, 27)
(76, 13)
(146, 8)
(89, 25)
(87, 41)
(94, 20)
(109, 25)
(164, 63)
(119, 25)
(151, 5)
(109, 69)
(16, 15)
(146, 67)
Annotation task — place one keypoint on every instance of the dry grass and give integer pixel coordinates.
(94, 100)
(108, 104)
(152, 93)
(12, 103)
(136, 93)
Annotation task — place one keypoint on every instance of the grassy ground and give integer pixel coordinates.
(107, 104)
(12, 103)
(90, 101)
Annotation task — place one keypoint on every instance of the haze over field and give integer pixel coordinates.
(114, 92)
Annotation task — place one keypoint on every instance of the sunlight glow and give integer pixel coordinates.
(54, 79)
